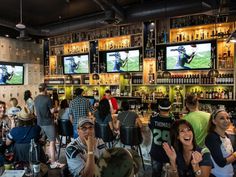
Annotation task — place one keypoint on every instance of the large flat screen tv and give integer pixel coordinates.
(11, 74)
(190, 56)
(76, 64)
(123, 61)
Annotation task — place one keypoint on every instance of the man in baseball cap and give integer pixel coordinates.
(81, 152)
(85, 120)
(42, 86)
(160, 122)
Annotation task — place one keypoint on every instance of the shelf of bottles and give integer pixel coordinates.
(78, 47)
(56, 44)
(212, 92)
(129, 29)
(149, 68)
(57, 50)
(225, 52)
(114, 43)
(223, 78)
(137, 79)
(55, 66)
(85, 79)
(125, 87)
(54, 80)
(149, 39)
(60, 40)
(202, 32)
(194, 20)
(150, 94)
(109, 79)
(90, 90)
(160, 57)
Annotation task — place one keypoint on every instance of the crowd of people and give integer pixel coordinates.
(195, 145)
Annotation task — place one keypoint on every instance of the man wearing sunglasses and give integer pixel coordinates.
(84, 150)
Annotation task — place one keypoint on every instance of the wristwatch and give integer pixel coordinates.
(198, 172)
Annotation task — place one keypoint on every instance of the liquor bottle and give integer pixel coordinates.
(151, 74)
(198, 79)
(231, 79)
(219, 94)
(202, 78)
(230, 94)
(134, 80)
(222, 79)
(33, 156)
(210, 94)
(226, 94)
(207, 95)
(218, 79)
(216, 94)
(222, 94)
(201, 94)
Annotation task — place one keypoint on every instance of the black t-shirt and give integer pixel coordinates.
(187, 170)
(160, 128)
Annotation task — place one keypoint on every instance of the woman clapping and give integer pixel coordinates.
(186, 159)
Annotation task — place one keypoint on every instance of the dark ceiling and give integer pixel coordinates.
(44, 18)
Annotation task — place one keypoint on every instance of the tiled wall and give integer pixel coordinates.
(31, 55)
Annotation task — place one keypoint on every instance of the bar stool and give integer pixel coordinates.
(65, 128)
(104, 132)
(132, 136)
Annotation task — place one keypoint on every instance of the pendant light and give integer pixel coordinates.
(20, 25)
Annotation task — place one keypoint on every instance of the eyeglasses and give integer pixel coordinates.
(85, 128)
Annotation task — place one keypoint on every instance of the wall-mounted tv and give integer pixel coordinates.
(123, 61)
(11, 74)
(76, 64)
(190, 56)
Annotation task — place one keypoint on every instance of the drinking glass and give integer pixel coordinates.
(28, 171)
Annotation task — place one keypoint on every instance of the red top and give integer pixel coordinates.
(113, 102)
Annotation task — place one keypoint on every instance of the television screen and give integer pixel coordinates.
(123, 61)
(189, 57)
(11, 74)
(76, 64)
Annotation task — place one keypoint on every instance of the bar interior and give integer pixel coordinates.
(149, 59)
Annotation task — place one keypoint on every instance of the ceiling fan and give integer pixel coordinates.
(20, 25)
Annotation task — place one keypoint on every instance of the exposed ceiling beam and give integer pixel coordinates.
(111, 5)
(99, 3)
(116, 7)
(135, 13)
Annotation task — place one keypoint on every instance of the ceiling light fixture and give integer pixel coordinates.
(20, 25)
(232, 37)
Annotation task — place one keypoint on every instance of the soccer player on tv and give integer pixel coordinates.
(183, 58)
(5, 75)
(119, 62)
(72, 65)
